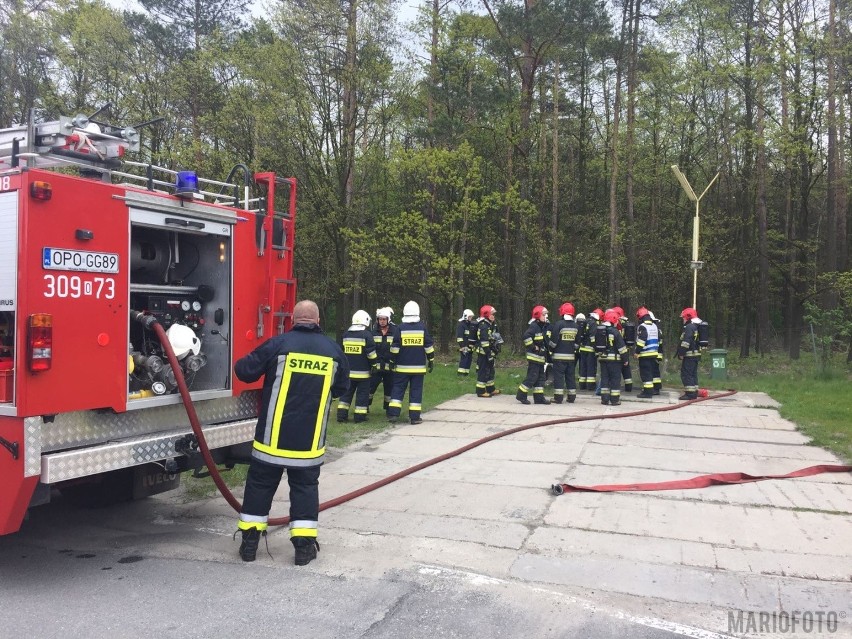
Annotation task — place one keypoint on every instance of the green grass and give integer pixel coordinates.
(819, 404)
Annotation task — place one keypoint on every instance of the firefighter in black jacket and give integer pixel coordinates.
(413, 355)
(628, 333)
(303, 372)
(535, 344)
(588, 359)
(648, 339)
(613, 356)
(466, 341)
(689, 353)
(564, 340)
(383, 337)
(360, 350)
(488, 345)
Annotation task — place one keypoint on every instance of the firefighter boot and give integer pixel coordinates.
(342, 415)
(646, 393)
(522, 397)
(539, 398)
(558, 397)
(248, 547)
(687, 395)
(571, 397)
(306, 550)
(581, 386)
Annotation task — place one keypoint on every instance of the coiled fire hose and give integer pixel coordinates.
(702, 481)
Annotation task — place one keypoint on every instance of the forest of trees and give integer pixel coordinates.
(510, 152)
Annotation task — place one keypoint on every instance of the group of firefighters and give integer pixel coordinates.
(397, 357)
(601, 340)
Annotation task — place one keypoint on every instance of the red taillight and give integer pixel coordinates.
(41, 190)
(40, 342)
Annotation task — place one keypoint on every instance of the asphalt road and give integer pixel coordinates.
(112, 573)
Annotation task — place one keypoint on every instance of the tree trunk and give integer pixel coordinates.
(614, 245)
(554, 185)
(630, 230)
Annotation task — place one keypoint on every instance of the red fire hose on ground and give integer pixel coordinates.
(702, 481)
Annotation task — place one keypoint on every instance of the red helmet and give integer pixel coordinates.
(566, 309)
(642, 312)
(620, 312)
(598, 313)
(688, 313)
(487, 312)
(539, 313)
(611, 316)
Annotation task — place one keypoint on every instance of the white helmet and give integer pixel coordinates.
(386, 312)
(361, 318)
(579, 317)
(466, 315)
(411, 309)
(183, 340)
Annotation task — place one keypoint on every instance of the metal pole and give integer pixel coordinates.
(695, 256)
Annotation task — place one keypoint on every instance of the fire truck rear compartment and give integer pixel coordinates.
(180, 272)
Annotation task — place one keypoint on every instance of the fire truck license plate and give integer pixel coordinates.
(69, 260)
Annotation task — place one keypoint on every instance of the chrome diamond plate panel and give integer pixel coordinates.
(56, 467)
(32, 448)
(84, 428)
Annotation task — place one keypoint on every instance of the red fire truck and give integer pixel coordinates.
(88, 401)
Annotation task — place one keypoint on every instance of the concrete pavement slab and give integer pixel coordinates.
(779, 493)
(658, 426)
(723, 524)
(733, 591)
(695, 461)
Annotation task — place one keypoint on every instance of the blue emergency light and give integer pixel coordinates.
(186, 184)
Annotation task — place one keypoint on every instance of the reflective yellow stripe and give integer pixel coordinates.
(294, 454)
(303, 532)
(410, 370)
(316, 365)
(248, 525)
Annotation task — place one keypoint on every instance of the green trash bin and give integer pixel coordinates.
(719, 362)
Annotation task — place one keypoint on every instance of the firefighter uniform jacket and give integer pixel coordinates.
(616, 349)
(466, 334)
(587, 336)
(564, 340)
(360, 352)
(412, 348)
(304, 370)
(485, 342)
(383, 346)
(688, 346)
(535, 342)
(648, 339)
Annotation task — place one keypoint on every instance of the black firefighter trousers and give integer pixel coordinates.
(262, 482)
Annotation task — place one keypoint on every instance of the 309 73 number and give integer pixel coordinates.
(74, 286)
